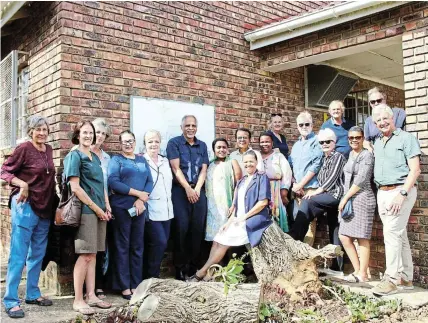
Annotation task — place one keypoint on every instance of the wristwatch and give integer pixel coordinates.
(403, 192)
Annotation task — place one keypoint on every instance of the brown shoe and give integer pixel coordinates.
(405, 284)
(385, 287)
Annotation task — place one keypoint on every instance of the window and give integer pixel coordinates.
(13, 99)
(357, 107)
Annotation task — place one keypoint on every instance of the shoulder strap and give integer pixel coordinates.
(353, 169)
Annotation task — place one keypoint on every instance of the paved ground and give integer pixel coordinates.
(61, 311)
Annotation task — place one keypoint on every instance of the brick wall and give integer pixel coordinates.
(382, 25)
(415, 52)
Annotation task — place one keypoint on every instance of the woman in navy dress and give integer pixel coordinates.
(276, 126)
(248, 217)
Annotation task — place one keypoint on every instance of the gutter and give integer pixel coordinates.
(315, 21)
(9, 9)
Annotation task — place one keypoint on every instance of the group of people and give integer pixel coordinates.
(228, 201)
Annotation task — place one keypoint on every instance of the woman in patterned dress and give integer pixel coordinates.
(361, 193)
(222, 176)
(279, 172)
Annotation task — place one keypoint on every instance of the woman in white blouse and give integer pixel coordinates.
(160, 209)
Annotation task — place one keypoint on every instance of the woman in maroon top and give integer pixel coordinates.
(31, 173)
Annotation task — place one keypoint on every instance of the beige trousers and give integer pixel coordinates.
(310, 235)
(398, 255)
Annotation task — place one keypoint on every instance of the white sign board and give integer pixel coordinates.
(165, 116)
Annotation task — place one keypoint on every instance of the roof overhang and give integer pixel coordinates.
(315, 21)
(9, 9)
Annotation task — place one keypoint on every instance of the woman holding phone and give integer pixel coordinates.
(130, 181)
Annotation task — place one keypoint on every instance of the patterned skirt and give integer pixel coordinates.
(279, 211)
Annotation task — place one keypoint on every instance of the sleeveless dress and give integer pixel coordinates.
(219, 189)
(364, 201)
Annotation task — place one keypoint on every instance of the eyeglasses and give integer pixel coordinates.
(128, 142)
(376, 101)
(276, 115)
(242, 138)
(307, 124)
(355, 138)
(328, 142)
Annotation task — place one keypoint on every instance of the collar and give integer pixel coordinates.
(151, 162)
(239, 153)
(184, 141)
(334, 123)
(396, 132)
(311, 135)
(331, 153)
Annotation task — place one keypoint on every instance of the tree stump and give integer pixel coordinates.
(281, 260)
(173, 301)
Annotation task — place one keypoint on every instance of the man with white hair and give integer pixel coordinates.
(340, 126)
(397, 166)
(377, 96)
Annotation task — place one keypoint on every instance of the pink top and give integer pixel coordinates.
(38, 171)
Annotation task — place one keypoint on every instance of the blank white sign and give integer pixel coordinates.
(165, 116)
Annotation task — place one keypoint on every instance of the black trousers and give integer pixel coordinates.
(188, 229)
(312, 208)
(156, 235)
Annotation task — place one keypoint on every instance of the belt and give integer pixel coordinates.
(389, 187)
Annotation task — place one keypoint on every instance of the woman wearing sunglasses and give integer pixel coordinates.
(131, 182)
(327, 196)
(358, 187)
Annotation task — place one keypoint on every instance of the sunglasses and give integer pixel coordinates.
(128, 142)
(376, 101)
(355, 138)
(328, 142)
(307, 124)
(276, 115)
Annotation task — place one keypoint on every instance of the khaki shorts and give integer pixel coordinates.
(91, 235)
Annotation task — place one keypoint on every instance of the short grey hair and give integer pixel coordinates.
(304, 115)
(327, 134)
(376, 90)
(34, 122)
(157, 133)
(189, 116)
(357, 129)
(101, 122)
(377, 110)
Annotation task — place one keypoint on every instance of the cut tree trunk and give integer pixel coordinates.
(167, 300)
(278, 259)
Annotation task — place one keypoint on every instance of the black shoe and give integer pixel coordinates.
(127, 297)
(15, 314)
(180, 274)
(42, 302)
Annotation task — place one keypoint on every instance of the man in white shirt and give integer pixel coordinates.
(243, 138)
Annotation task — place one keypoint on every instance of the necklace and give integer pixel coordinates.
(45, 161)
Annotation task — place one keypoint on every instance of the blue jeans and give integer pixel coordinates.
(27, 247)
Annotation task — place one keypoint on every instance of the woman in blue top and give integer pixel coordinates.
(130, 181)
(248, 217)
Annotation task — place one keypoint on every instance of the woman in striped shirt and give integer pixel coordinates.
(327, 196)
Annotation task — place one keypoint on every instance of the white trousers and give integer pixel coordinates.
(398, 255)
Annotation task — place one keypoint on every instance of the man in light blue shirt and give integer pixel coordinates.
(305, 160)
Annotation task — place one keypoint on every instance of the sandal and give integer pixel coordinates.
(352, 278)
(100, 294)
(15, 314)
(194, 279)
(100, 304)
(85, 310)
(127, 297)
(41, 302)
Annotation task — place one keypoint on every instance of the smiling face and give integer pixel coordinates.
(128, 143)
(266, 144)
(189, 128)
(40, 134)
(220, 150)
(327, 143)
(356, 140)
(250, 164)
(336, 111)
(305, 126)
(384, 122)
(101, 135)
(243, 140)
(376, 98)
(152, 142)
(86, 135)
(276, 124)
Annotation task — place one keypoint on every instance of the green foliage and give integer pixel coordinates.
(272, 313)
(78, 319)
(308, 315)
(231, 275)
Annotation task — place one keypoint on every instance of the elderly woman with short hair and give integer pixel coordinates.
(31, 173)
(340, 126)
(326, 197)
(276, 126)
